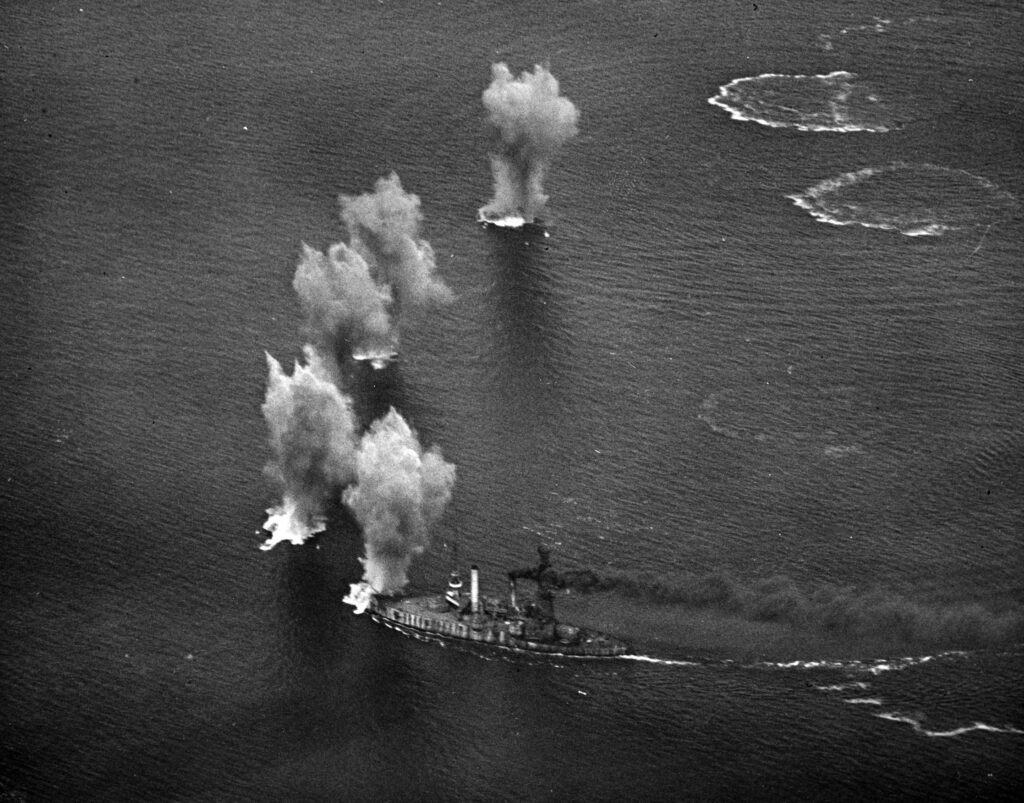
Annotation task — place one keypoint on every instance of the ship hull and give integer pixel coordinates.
(431, 618)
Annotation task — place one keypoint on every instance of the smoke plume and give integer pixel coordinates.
(345, 308)
(395, 489)
(312, 437)
(400, 492)
(831, 610)
(384, 228)
(531, 122)
(354, 295)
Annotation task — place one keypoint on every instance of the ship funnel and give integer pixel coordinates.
(454, 592)
(474, 589)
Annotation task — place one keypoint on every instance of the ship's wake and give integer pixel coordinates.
(650, 659)
(917, 722)
(949, 717)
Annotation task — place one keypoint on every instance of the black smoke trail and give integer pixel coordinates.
(842, 612)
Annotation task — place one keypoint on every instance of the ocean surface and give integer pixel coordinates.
(764, 377)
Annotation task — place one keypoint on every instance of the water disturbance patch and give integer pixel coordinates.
(913, 199)
(837, 102)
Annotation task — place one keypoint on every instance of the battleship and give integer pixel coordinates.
(501, 623)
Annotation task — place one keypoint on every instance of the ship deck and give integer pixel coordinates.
(433, 616)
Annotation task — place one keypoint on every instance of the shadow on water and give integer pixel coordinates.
(374, 391)
(329, 657)
(521, 289)
(312, 621)
(525, 310)
(343, 688)
(314, 734)
(333, 688)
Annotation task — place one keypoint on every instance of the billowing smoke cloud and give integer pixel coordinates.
(837, 611)
(345, 308)
(312, 437)
(401, 491)
(531, 121)
(395, 489)
(353, 296)
(384, 228)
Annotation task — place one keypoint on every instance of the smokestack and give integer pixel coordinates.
(512, 594)
(474, 589)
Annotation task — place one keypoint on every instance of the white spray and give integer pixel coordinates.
(312, 437)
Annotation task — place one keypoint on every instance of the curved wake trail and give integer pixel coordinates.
(858, 692)
(837, 102)
(913, 199)
(916, 724)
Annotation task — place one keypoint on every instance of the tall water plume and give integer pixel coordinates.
(383, 227)
(312, 437)
(355, 294)
(401, 490)
(531, 122)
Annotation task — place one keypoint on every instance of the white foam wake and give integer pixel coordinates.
(873, 667)
(855, 684)
(917, 200)
(833, 102)
(915, 723)
(647, 659)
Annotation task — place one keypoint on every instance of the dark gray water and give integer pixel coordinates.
(692, 378)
